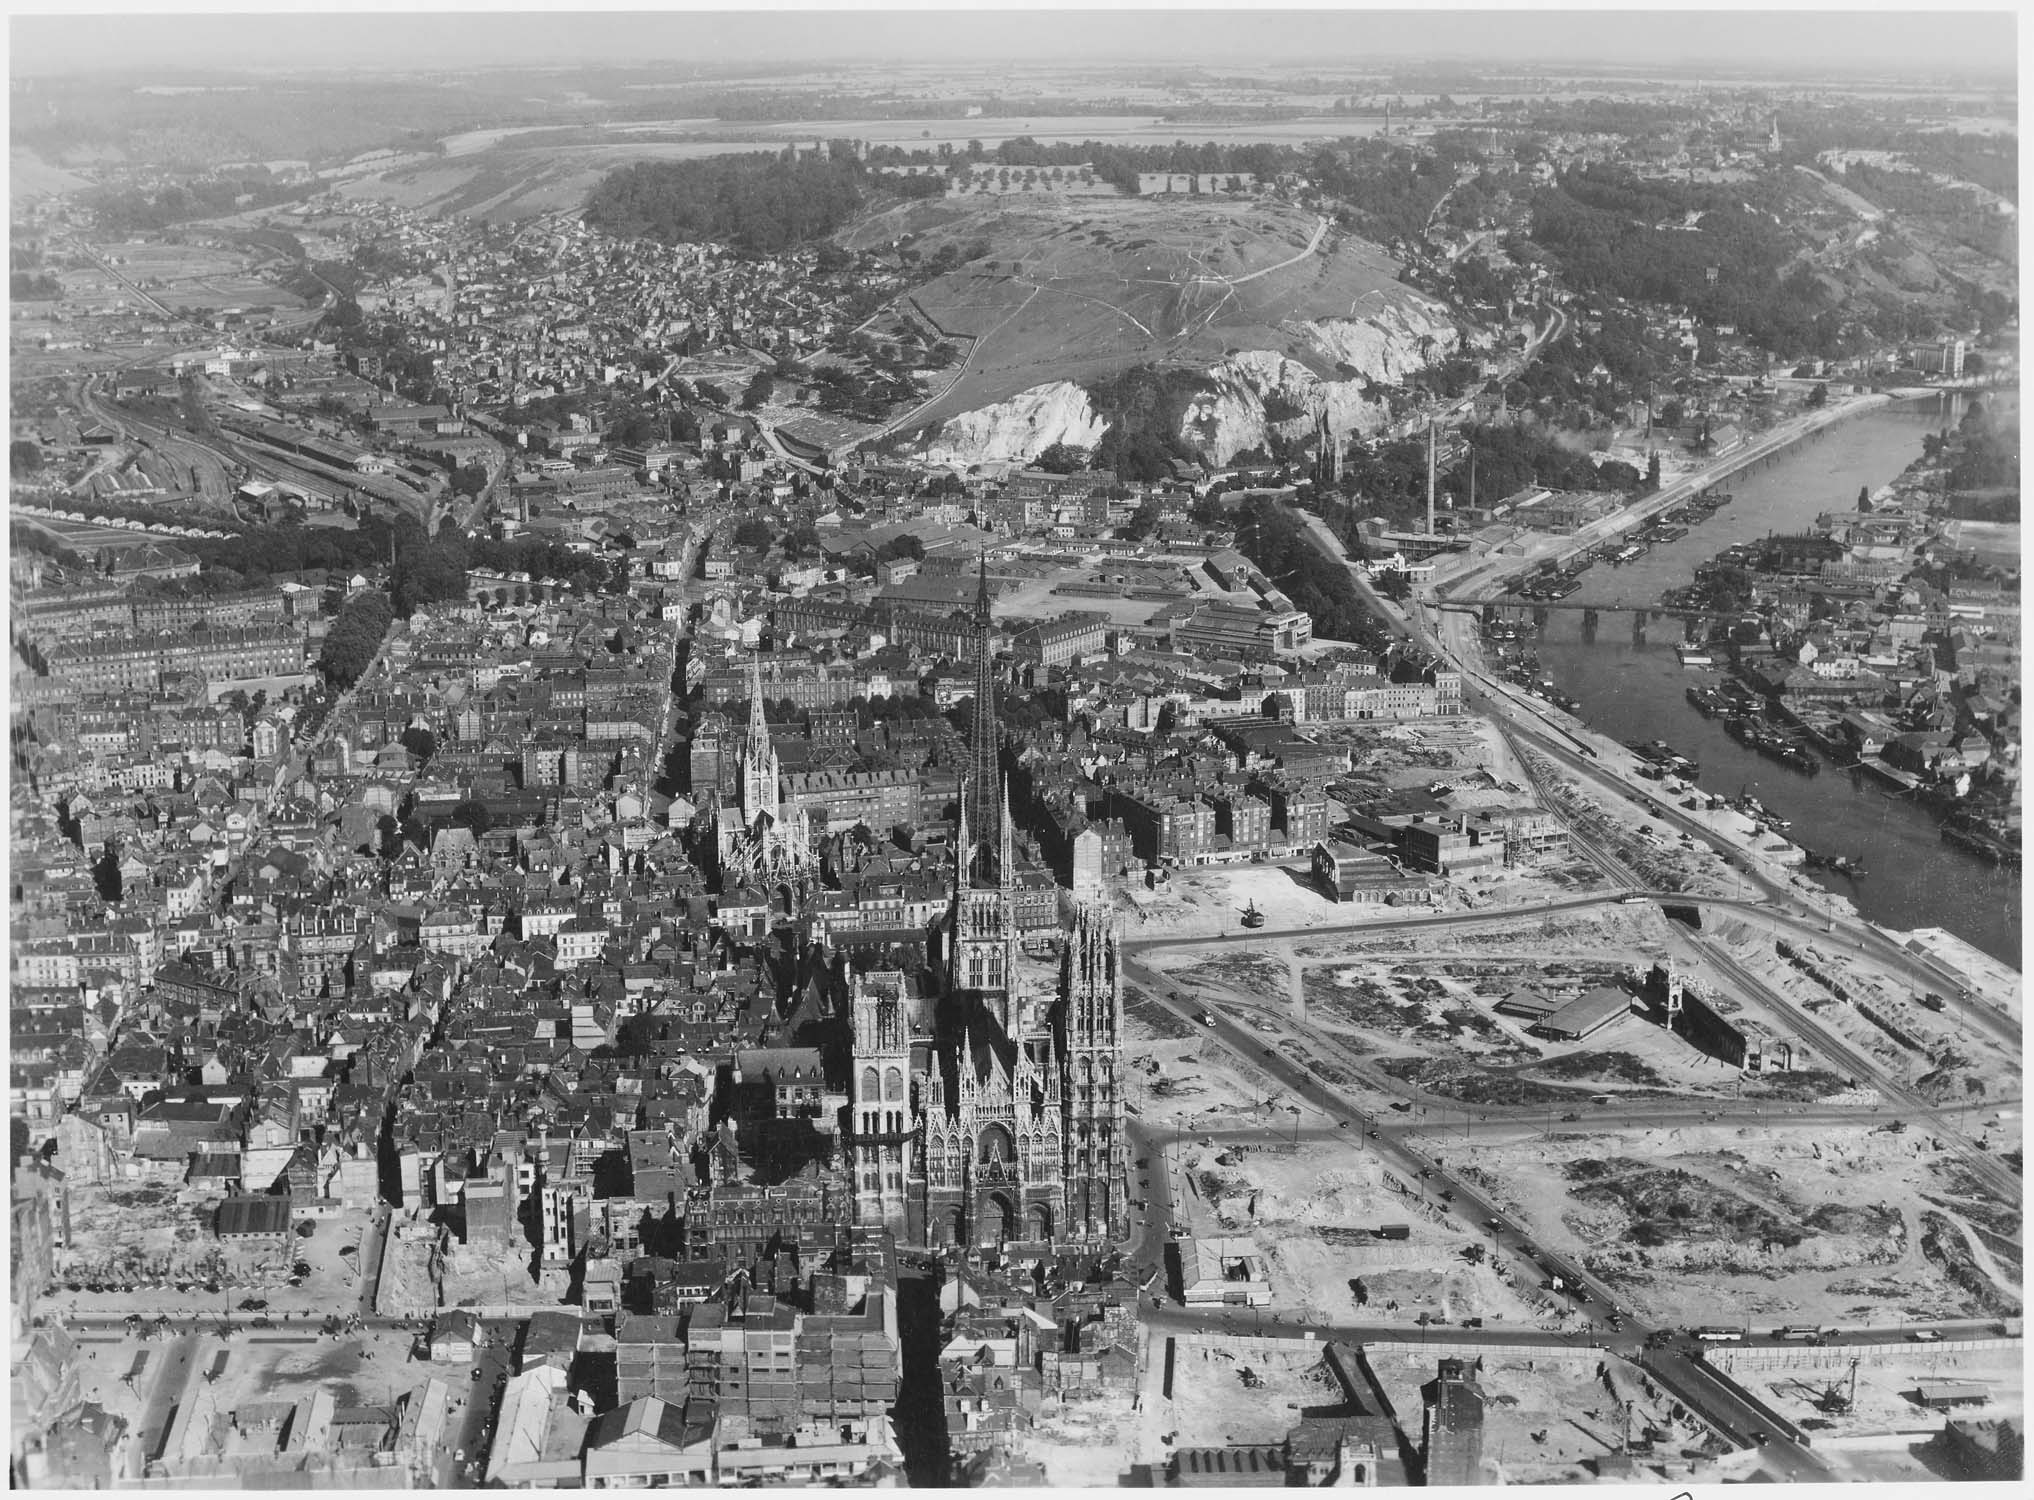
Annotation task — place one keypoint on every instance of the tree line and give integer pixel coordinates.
(355, 637)
(1273, 537)
(1605, 230)
(763, 203)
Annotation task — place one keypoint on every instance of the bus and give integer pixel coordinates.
(1799, 1332)
(1718, 1335)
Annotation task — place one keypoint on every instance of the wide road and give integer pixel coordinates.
(1385, 924)
(169, 1370)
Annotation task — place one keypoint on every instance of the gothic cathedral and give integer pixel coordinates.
(991, 1116)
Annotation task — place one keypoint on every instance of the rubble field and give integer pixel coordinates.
(1311, 1215)
(1084, 1444)
(1545, 1420)
(1209, 902)
(1819, 1222)
(1214, 1404)
(1194, 1083)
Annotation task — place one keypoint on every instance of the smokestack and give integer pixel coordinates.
(1430, 476)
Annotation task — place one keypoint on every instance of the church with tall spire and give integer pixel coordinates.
(1011, 1129)
(762, 849)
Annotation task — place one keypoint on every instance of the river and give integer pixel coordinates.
(1636, 690)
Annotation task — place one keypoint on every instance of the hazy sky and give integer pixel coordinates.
(367, 34)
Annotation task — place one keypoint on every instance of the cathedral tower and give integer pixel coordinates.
(883, 1114)
(1090, 1017)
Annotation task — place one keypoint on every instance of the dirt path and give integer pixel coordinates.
(1979, 1251)
(1320, 233)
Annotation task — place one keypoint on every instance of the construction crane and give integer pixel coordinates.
(1838, 1401)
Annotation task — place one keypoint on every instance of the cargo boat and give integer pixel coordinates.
(1666, 757)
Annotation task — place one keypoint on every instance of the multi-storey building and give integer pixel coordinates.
(1167, 829)
(878, 800)
(1054, 643)
(141, 661)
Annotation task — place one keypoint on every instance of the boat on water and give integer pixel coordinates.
(1707, 701)
(1991, 851)
(1797, 758)
(1838, 864)
(1694, 656)
(1664, 756)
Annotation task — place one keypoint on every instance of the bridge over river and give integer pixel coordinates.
(1513, 603)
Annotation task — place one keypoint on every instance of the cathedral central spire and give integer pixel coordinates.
(986, 815)
(759, 728)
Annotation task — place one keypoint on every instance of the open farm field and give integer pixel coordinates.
(508, 181)
(198, 276)
(29, 176)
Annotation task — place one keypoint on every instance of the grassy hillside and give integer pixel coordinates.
(1072, 289)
